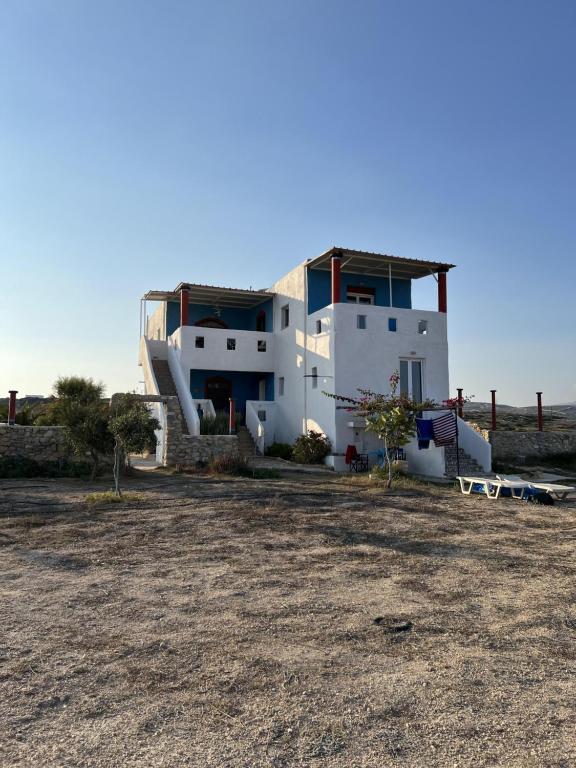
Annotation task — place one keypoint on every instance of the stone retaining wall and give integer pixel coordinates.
(518, 446)
(49, 444)
(193, 448)
(183, 449)
(38, 443)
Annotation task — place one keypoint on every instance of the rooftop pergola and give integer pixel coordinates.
(377, 264)
(234, 298)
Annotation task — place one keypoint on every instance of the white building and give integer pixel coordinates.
(335, 323)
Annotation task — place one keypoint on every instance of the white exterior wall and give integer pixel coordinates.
(156, 324)
(216, 356)
(366, 358)
(290, 355)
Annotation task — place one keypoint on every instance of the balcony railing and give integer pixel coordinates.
(223, 349)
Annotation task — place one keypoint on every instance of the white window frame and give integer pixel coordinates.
(314, 377)
(352, 297)
(361, 322)
(422, 362)
(284, 316)
(281, 386)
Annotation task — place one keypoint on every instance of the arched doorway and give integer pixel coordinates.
(219, 390)
(211, 322)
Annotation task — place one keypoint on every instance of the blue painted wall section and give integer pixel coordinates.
(245, 385)
(320, 291)
(237, 319)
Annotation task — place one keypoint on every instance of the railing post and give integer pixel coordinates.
(12, 406)
(493, 393)
(540, 416)
(232, 416)
(460, 402)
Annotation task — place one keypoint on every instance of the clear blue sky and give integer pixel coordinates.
(143, 143)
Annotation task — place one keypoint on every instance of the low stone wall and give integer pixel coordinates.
(518, 446)
(183, 449)
(38, 443)
(190, 449)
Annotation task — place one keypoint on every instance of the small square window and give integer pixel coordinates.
(314, 378)
(285, 316)
(231, 344)
(262, 415)
(281, 386)
(423, 327)
(318, 326)
(361, 322)
(199, 342)
(392, 324)
(261, 345)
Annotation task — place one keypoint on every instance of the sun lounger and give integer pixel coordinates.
(556, 490)
(492, 486)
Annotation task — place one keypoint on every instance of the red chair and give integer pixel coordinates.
(357, 462)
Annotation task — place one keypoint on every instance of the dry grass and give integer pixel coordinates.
(297, 622)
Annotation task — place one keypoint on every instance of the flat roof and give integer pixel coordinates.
(378, 264)
(236, 298)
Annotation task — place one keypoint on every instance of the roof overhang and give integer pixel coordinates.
(233, 298)
(378, 264)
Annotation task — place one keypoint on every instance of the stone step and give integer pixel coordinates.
(468, 465)
(166, 385)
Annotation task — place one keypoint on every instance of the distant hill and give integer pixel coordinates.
(556, 417)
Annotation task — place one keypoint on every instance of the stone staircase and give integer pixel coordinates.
(166, 385)
(246, 443)
(468, 465)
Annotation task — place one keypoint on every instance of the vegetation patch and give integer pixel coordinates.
(111, 497)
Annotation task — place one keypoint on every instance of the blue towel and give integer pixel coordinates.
(425, 432)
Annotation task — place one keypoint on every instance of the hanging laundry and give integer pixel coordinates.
(425, 432)
(444, 429)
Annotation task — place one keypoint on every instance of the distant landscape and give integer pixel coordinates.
(508, 417)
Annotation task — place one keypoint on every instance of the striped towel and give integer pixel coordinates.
(444, 428)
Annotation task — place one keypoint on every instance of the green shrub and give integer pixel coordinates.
(230, 464)
(311, 448)
(21, 466)
(214, 425)
(280, 451)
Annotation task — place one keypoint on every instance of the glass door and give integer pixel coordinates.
(411, 379)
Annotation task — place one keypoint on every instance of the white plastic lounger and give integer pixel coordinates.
(556, 490)
(492, 486)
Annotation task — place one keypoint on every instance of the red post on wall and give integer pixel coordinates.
(336, 261)
(232, 417)
(184, 300)
(12, 406)
(460, 402)
(540, 416)
(493, 393)
(442, 294)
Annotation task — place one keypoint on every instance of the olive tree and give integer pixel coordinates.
(132, 427)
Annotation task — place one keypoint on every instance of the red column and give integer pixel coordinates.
(460, 403)
(540, 417)
(12, 406)
(442, 295)
(232, 416)
(493, 393)
(336, 261)
(184, 299)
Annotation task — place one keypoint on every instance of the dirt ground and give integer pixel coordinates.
(308, 621)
